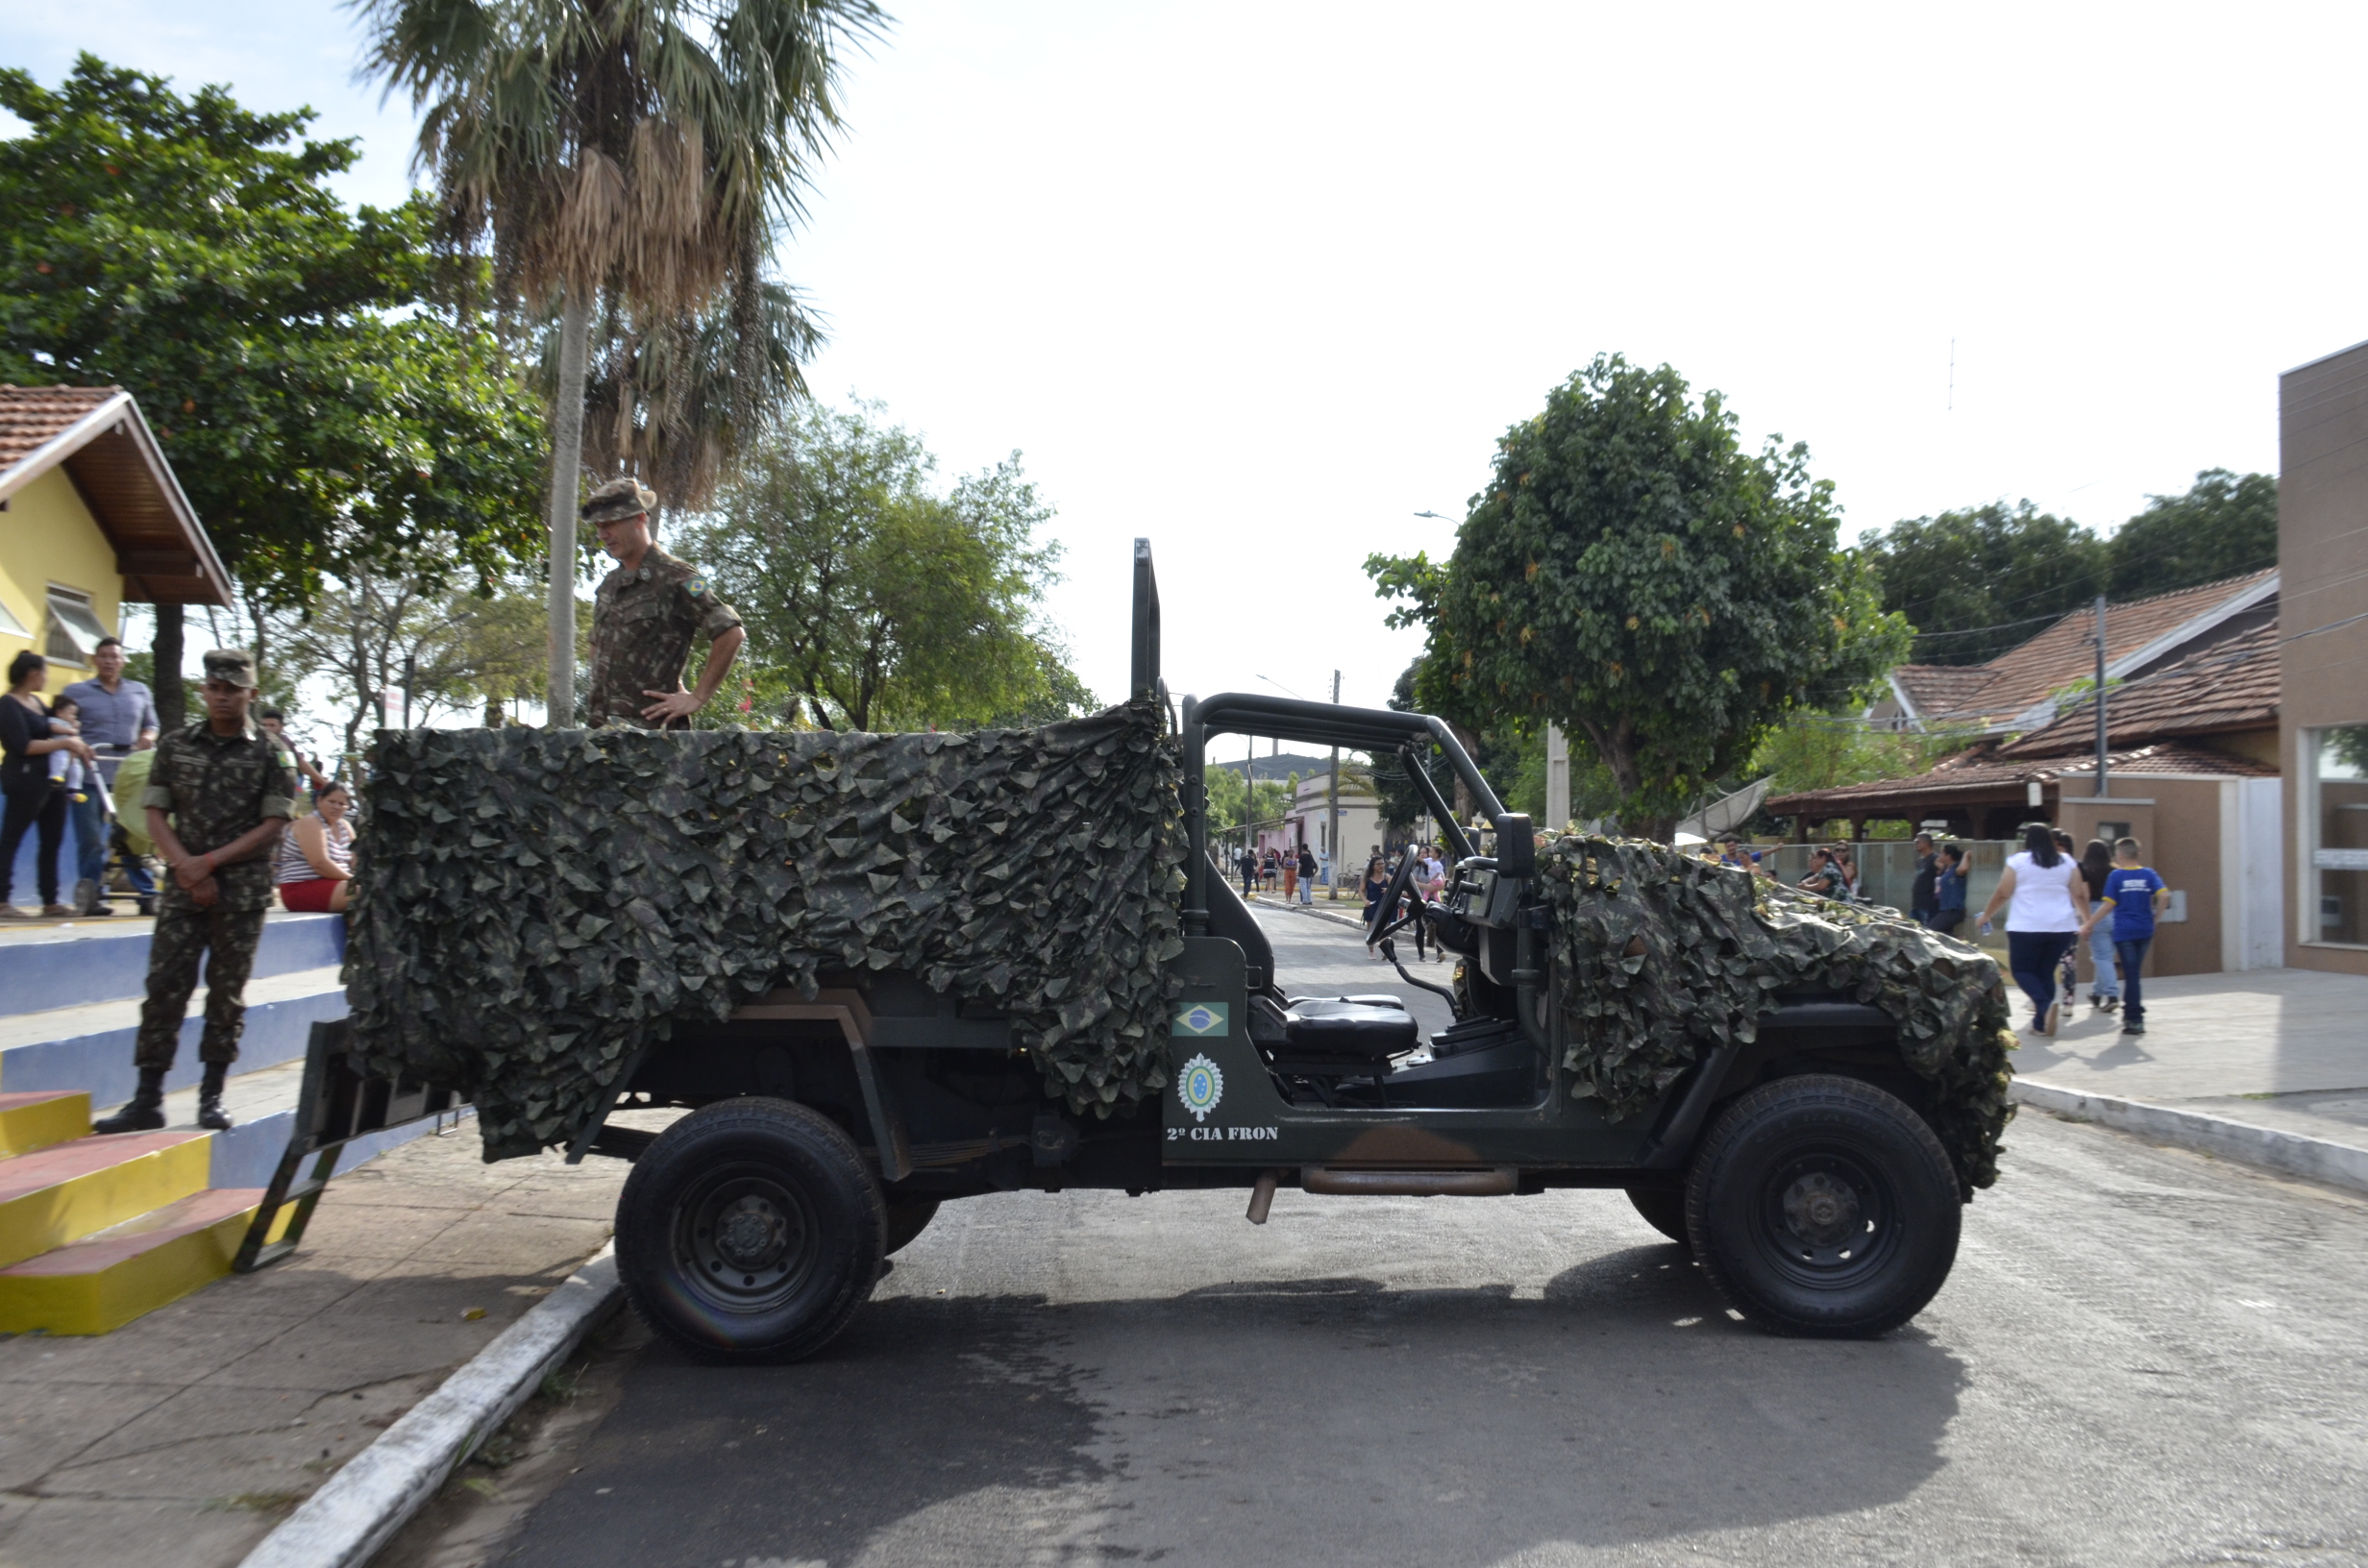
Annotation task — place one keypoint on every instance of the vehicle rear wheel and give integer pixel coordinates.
(749, 1231)
(1822, 1206)
(1664, 1209)
(907, 1218)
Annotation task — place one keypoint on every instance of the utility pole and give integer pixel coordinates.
(2101, 727)
(1557, 779)
(1332, 812)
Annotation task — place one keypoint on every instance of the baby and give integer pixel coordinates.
(65, 767)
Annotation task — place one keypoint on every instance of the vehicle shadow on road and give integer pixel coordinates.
(1301, 1421)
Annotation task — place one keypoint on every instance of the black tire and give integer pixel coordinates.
(907, 1218)
(803, 1246)
(1664, 1209)
(1823, 1206)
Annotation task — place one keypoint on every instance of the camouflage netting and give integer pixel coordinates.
(533, 907)
(1663, 955)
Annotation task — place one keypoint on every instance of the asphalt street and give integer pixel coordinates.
(2143, 1357)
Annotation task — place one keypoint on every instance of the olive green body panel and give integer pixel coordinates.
(1222, 1107)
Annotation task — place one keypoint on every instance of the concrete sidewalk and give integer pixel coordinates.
(183, 1438)
(2286, 1050)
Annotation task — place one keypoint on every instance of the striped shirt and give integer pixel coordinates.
(290, 864)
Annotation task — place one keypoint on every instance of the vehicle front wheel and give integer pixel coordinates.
(1822, 1206)
(749, 1231)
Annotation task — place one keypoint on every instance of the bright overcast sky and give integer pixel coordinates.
(1264, 282)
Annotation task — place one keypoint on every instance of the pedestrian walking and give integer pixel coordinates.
(1949, 890)
(1923, 893)
(2105, 987)
(1307, 874)
(644, 614)
(119, 717)
(1247, 864)
(35, 803)
(2046, 904)
(216, 803)
(2134, 896)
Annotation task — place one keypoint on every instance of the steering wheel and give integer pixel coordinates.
(1379, 924)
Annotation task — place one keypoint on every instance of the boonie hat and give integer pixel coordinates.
(618, 500)
(234, 664)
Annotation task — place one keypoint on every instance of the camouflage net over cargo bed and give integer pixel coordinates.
(533, 907)
(1662, 955)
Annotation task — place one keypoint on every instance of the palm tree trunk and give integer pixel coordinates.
(566, 452)
(172, 711)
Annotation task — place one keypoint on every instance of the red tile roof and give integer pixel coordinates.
(1979, 774)
(2231, 685)
(31, 417)
(2019, 678)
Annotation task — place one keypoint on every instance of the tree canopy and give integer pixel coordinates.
(1973, 584)
(2226, 525)
(1979, 582)
(873, 602)
(322, 403)
(1633, 574)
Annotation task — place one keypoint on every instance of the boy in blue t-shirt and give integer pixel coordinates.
(2133, 896)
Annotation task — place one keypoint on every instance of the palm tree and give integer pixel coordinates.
(672, 399)
(647, 151)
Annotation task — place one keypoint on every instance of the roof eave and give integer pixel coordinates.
(212, 578)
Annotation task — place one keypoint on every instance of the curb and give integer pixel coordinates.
(1352, 922)
(2289, 1154)
(346, 1521)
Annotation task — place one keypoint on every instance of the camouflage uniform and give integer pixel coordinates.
(218, 788)
(642, 624)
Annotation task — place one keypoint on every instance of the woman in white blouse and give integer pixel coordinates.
(2047, 902)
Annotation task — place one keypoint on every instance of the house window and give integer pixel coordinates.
(10, 626)
(74, 629)
(2336, 825)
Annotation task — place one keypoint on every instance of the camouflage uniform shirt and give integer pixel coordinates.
(218, 788)
(642, 624)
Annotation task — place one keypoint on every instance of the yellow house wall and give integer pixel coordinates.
(48, 535)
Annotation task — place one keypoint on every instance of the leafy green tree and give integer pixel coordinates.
(320, 406)
(871, 599)
(2224, 527)
(1636, 576)
(1976, 583)
(648, 151)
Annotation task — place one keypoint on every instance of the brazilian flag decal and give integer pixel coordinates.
(1202, 1018)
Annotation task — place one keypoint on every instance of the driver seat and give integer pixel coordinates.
(1345, 1034)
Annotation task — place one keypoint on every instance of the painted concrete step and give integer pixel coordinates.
(53, 1196)
(35, 1121)
(95, 961)
(88, 1047)
(102, 1281)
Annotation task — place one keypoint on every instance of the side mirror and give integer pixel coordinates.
(1517, 846)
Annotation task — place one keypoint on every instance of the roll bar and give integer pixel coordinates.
(1143, 679)
(1289, 718)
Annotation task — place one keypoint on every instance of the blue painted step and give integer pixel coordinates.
(90, 1047)
(90, 962)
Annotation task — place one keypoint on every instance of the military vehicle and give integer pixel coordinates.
(1800, 1164)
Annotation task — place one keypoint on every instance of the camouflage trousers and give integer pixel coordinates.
(183, 936)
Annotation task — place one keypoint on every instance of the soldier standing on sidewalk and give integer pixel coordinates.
(217, 800)
(644, 614)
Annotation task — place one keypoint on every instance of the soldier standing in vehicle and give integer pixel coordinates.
(217, 799)
(644, 616)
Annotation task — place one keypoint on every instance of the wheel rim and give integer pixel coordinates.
(1827, 1219)
(743, 1240)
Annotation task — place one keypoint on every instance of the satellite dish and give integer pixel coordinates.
(1724, 816)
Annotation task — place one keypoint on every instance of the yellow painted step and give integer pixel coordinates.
(101, 1282)
(57, 1195)
(38, 1120)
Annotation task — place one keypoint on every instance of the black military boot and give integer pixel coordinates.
(145, 1113)
(210, 1112)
